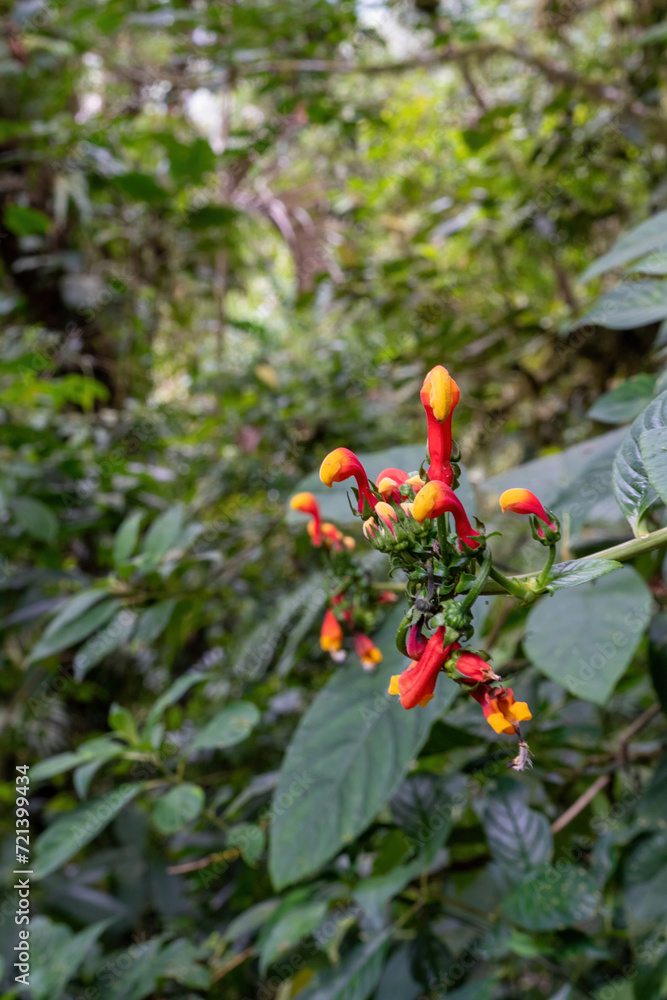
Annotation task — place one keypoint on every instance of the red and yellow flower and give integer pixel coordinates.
(439, 395)
(437, 498)
(307, 504)
(342, 464)
(388, 483)
(524, 502)
(417, 684)
(367, 651)
(331, 634)
(501, 711)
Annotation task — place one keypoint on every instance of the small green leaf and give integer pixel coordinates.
(638, 241)
(288, 926)
(24, 221)
(632, 487)
(173, 693)
(122, 721)
(125, 540)
(68, 834)
(162, 535)
(153, 621)
(229, 727)
(36, 518)
(54, 765)
(625, 402)
(250, 840)
(605, 618)
(519, 838)
(179, 807)
(578, 571)
(653, 447)
(141, 187)
(104, 642)
(72, 632)
(553, 897)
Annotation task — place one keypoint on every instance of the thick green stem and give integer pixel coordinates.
(544, 575)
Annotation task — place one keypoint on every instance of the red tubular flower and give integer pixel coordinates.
(416, 643)
(475, 668)
(524, 502)
(307, 504)
(331, 634)
(341, 464)
(388, 482)
(387, 597)
(500, 709)
(439, 395)
(417, 684)
(437, 498)
(367, 651)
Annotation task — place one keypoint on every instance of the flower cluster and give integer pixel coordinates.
(416, 518)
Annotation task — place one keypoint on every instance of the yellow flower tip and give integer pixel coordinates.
(370, 660)
(416, 482)
(408, 508)
(443, 392)
(520, 711)
(425, 700)
(330, 467)
(369, 528)
(426, 501)
(387, 486)
(498, 722)
(513, 498)
(304, 502)
(393, 686)
(349, 543)
(386, 512)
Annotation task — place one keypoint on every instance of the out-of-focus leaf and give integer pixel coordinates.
(355, 978)
(69, 833)
(24, 221)
(36, 518)
(650, 234)
(72, 632)
(553, 898)
(230, 726)
(173, 693)
(657, 656)
(161, 536)
(250, 840)
(632, 487)
(126, 538)
(625, 402)
(104, 642)
(178, 807)
(153, 621)
(629, 305)
(397, 981)
(56, 954)
(285, 928)
(141, 187)
(605, 622)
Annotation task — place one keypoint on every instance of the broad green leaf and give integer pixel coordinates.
(126, 538)
(178, 807)
(519, 837)
(230, 726)
(251, 919)
(355, 978)
(140, 186)
(578, 571)
(629, 305)
(122, 721)
(553, 897)
(625, 402)
(73, 607)
(56, 954)
(347, 758)
(655, 263)
(162, 536)
(397, 982)
(657, 657)
(104, 642)
(638, 241)
(605, 620)
(36, 518)
(653, 447)
(632, 487)
(74, 631)
(173, 693)
(153, 621)
(286, 928)
(250, 840)
(69, 833)
(24, 221)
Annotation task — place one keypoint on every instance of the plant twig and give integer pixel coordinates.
(580, 804)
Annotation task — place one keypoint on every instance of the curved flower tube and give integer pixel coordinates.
(416, 642)
(417, 684)
(437, 498)
(341, 464)
(474, 668)
(439, 395)
(367, 651)
(307, 504)
(500, 709)
(524, 502)
(388, 482)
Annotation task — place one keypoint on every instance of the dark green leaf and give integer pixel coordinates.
(519, 837)
(653, 447)
(625, 402)
(230, 726)
(605, 622)
(355, 978)
(56, 954)
(629, 305)
(286, 928)
(104, 642)
(650, 234)
(178, 807)
(36, 518)
(140, 186)
(632, 487)
(72, 632)
(553, 897)
(24, 221)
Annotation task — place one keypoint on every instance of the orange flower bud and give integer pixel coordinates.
(367, 651)
(439, 395)
(524, 502)
(331, 634)
(342, 464)
(388, 482)
(307, 504)
(500, 709)
(437, 498)
(440, 392)
(415, 482)
(387, 514)
(475, 668)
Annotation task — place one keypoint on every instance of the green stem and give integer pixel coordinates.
(480, 580)
(511, 584)
(442, 535)
(544, 575)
